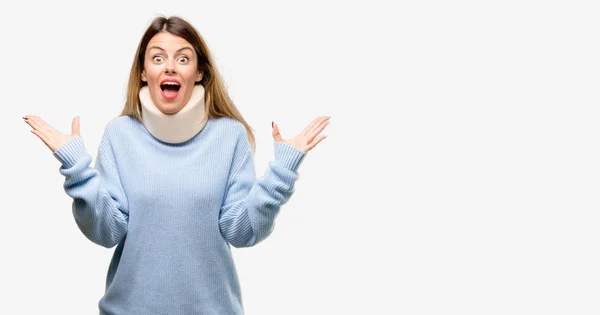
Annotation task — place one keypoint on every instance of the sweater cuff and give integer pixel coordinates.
(71, 152)
(288, 156)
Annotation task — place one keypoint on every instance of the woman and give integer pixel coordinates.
(174, 183)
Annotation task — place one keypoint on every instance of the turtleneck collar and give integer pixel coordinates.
(178, 127)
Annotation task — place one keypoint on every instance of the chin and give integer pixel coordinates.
(170, 111)
(168, 107)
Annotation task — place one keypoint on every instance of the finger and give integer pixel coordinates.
(319, 121)
(276, 134)
(43, 138)
(41, 123)
(33, 124)
(312, 145)
(316, 120)
(75, 126)
(318, 125)
(314, 132)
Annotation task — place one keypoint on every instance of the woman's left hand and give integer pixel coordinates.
(307, 139)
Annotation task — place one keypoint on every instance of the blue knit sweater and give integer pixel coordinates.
(173, 210)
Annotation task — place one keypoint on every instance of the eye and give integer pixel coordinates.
(157, 59)
(183, 59)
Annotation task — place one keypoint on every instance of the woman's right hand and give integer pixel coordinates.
(53, 138)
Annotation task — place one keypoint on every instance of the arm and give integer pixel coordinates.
(100, 206)
(250, 206)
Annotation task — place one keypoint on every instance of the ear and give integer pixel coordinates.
(144, 76)
(199, 76)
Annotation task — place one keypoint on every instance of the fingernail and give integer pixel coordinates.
(272, 124)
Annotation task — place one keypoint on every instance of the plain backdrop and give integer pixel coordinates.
(460, 174)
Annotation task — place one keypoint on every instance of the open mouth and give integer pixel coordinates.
(170, 89)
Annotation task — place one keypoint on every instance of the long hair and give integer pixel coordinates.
(218, 102)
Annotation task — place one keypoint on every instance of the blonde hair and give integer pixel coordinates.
(218, 103)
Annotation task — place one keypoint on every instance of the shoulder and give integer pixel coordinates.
(228, 123)
(120, 126)
(230, 127)
(233, 134)
(121, 122)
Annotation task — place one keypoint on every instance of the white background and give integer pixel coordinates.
(460, 176)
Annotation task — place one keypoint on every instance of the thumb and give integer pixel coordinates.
(75, 126)
(276, 134)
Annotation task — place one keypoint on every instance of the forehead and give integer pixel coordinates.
(168, 41)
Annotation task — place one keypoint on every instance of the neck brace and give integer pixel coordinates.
(178, 127)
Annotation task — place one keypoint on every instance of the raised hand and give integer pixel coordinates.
(53, 138)
(307, 139)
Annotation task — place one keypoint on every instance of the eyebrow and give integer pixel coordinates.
(178, 50)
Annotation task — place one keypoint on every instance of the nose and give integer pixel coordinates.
(169, 68)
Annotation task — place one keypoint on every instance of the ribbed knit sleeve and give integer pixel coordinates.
(251, 206)
(99, 202)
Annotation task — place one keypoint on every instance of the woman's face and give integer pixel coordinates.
(170, 69)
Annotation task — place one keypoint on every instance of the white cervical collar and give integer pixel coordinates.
(178, 127)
